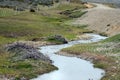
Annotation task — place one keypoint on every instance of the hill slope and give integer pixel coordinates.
(102, 19)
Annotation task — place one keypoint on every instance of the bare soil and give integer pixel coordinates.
(102, 19)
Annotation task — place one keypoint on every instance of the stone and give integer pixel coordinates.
(108, 24)
(24, 51)
(32, 10)
(58, 38)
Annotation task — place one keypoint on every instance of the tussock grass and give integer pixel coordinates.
(28, 68)
(105, 55)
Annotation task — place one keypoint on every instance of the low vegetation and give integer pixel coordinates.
(70, 6)
(4, 12)
(74, 13)
(57, 39)
(115, 38)
(105, 55)
(28, 68)
(31, 26)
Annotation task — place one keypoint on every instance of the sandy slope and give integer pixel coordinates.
(101, 19)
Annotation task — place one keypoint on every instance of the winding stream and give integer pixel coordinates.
(71, 68)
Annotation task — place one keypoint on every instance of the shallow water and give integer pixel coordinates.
(71, 68)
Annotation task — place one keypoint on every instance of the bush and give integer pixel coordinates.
(77, 14)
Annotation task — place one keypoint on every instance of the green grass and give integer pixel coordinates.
(69, 6)
(32, 25)
(77, 14)
(115, 38)
(4, 40)
(27, 26)
(28, 68)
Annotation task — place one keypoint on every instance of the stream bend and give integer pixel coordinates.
(71, 68)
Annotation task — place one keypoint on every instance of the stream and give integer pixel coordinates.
(71, 68)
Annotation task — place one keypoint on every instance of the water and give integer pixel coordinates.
(71, 68)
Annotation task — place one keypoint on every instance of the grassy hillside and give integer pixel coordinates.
(28, 26)
(105, 55)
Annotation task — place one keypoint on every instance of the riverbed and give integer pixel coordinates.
(71, 68)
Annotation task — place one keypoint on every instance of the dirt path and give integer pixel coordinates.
(102, 19)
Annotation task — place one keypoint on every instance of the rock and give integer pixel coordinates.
(67, 12)
(108, 24)
(32, 10)
(35, 39)
(58, 38)
(24, 51)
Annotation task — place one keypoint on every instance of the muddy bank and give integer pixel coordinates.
(86, 56)
(97, 59)
(103, 57)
